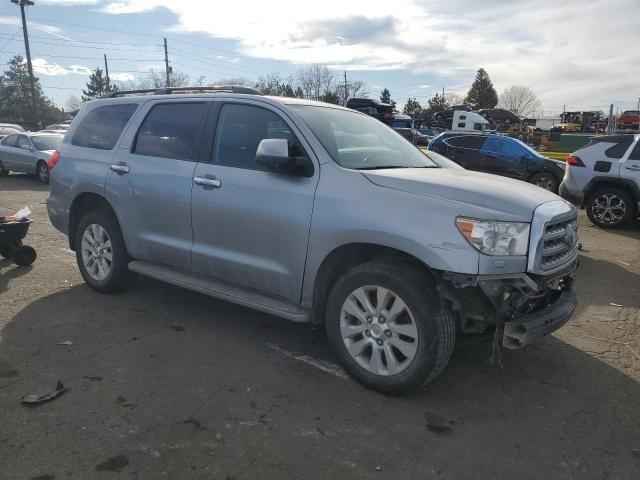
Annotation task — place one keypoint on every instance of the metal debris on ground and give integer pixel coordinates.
(34, 399)
(615, 304)
(68, 343)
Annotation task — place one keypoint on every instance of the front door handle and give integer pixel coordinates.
(120, 169)
(633, 168)
(207, 182)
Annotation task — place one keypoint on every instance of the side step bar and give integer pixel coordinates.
(223, 291)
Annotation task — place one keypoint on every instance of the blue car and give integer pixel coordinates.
(500, 155)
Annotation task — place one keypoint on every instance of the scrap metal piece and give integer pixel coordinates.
(34, 399)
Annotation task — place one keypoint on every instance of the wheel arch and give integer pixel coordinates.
(345, 257)
(629, 186)
(84, 203)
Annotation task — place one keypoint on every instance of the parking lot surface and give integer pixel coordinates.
(166, 383)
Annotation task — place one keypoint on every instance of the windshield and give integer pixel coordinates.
(50, 142)
(360, 142)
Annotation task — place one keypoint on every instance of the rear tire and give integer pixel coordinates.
(413, 344)
(546, 180)
(101, 253)
(610, 207)
(42, 171)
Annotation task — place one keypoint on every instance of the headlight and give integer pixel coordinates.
(495, 238)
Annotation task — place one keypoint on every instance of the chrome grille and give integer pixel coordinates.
(559, 243)
(553, 244)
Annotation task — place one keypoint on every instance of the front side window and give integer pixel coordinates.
(170, 130)
(10, 141)
(240, 130)
(360, 142)
(102, 127)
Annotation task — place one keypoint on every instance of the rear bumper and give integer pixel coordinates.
(574, 197)
(530, 328)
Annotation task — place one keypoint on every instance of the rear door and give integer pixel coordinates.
(23, 155)
(630, 164)
(251, 226)
(465, 151)
(151, 177)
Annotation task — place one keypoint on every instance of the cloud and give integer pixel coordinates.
(121, 77)
(564, 57)
(224, 58)
(424, 86)
(68, 3)
(43, 67)
(15, 21)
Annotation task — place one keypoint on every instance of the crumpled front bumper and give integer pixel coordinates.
(535, 326)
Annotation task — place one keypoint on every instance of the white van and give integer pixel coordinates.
(468, 122)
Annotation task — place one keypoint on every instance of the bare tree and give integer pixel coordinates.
(73, 103)
(355, 89)
(520, 100)
(317, 82)
(453, 98)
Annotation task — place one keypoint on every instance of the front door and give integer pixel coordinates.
(630, 166)
(150, 181)
(251, 226)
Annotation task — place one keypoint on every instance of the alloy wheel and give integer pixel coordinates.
(97, 254)
(546, 183)
(378, 330)
(609, 208)
(43, 173)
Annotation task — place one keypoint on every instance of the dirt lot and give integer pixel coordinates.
(166, 383)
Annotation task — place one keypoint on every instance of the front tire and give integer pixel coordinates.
(101, 253)
(387, 326)
(3, 172)
(546, 180)
(610, 207)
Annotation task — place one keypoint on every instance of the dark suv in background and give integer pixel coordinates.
(374, 108)
(500, 155)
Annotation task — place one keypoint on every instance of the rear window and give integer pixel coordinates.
(43, 143)
(102, 127)
(170, 131)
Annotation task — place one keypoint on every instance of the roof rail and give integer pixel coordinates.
(171, 90)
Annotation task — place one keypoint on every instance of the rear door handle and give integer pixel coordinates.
(120, 168)
(633, 168)
(208, 182)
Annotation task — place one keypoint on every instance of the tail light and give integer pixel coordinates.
(574, 161)
(53, 159)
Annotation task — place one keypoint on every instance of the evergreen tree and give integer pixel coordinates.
(437, 103)
(385, 97)
(412, 107)
(16, 102)
(97, 86)
(299, 93)
(482, 93)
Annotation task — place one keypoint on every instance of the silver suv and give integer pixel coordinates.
(604, 178)
(314, 213)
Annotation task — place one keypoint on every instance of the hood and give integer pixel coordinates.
(505, 198)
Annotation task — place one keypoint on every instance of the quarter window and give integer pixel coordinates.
(240, 130)
(635, 153)
(102, 126)
(619, 149)
(170, 130)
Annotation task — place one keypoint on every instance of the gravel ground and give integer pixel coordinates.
(167, 383)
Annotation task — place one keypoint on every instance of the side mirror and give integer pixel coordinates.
(273, 154)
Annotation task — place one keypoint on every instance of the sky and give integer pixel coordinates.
(578, 55)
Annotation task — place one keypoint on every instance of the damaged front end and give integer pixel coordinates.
(522, 307)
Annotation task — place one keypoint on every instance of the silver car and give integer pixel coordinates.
(28, 153)
(318, 214)
(8, 128)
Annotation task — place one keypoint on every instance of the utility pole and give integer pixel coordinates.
(611, 121)
(638, 103)
(22, 4)
(106, 69)
(167, 69)
(346, 89)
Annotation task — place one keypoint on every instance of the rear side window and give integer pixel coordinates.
(171, 130)
(473, 142)
(635, 153)
(23, 142)
(511, 147)
(102, 126)
(619, 149)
